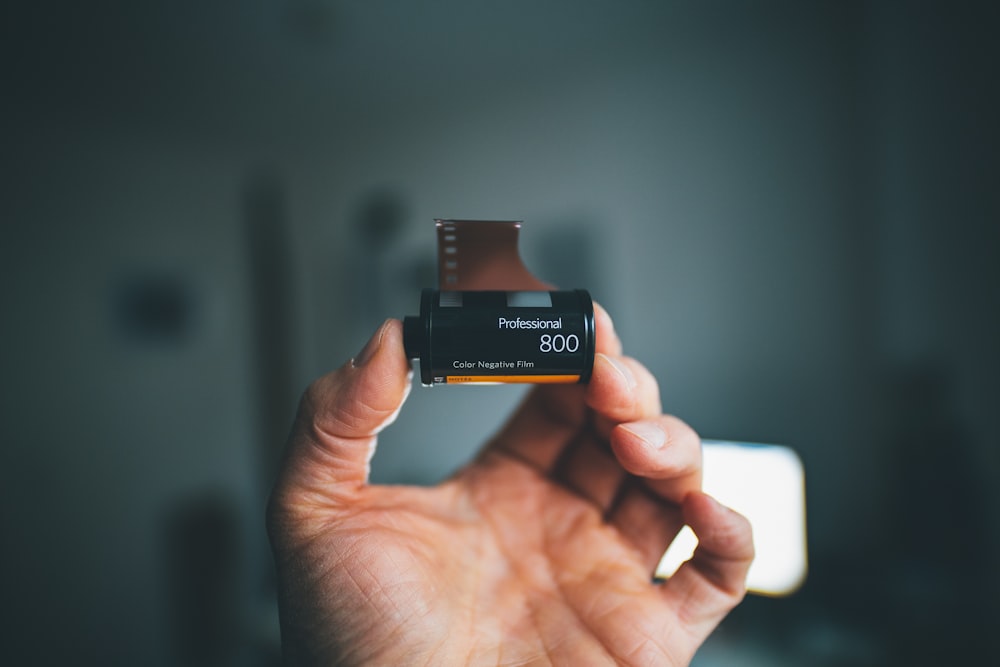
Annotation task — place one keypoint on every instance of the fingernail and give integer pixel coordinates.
(622, 369)
(612, 323)
(370, 348)
(599, 310)
(648, 432)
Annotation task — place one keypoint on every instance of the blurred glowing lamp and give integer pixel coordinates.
(766, 484)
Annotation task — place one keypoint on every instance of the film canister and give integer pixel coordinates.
(491, 321)
(489, 337)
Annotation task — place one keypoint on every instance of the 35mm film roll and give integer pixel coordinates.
(491, 321)
(502, 337)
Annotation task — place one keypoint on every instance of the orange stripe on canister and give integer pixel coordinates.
(512, 379)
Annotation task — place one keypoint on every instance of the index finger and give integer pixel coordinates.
(550, 415)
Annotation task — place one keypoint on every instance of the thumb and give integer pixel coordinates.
(334, 435)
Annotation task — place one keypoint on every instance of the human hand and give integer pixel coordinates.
(541, 550)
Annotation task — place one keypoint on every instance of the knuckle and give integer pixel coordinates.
(683, 442)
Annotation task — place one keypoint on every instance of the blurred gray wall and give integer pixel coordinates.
(790, 209)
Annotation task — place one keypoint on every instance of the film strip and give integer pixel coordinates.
(475, 255)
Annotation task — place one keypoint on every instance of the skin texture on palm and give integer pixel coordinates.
(540, 551)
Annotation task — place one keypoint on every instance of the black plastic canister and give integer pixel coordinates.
(502, 337)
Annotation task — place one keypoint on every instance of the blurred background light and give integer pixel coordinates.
(766, 484)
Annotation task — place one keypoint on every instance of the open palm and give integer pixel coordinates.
(539, 551)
